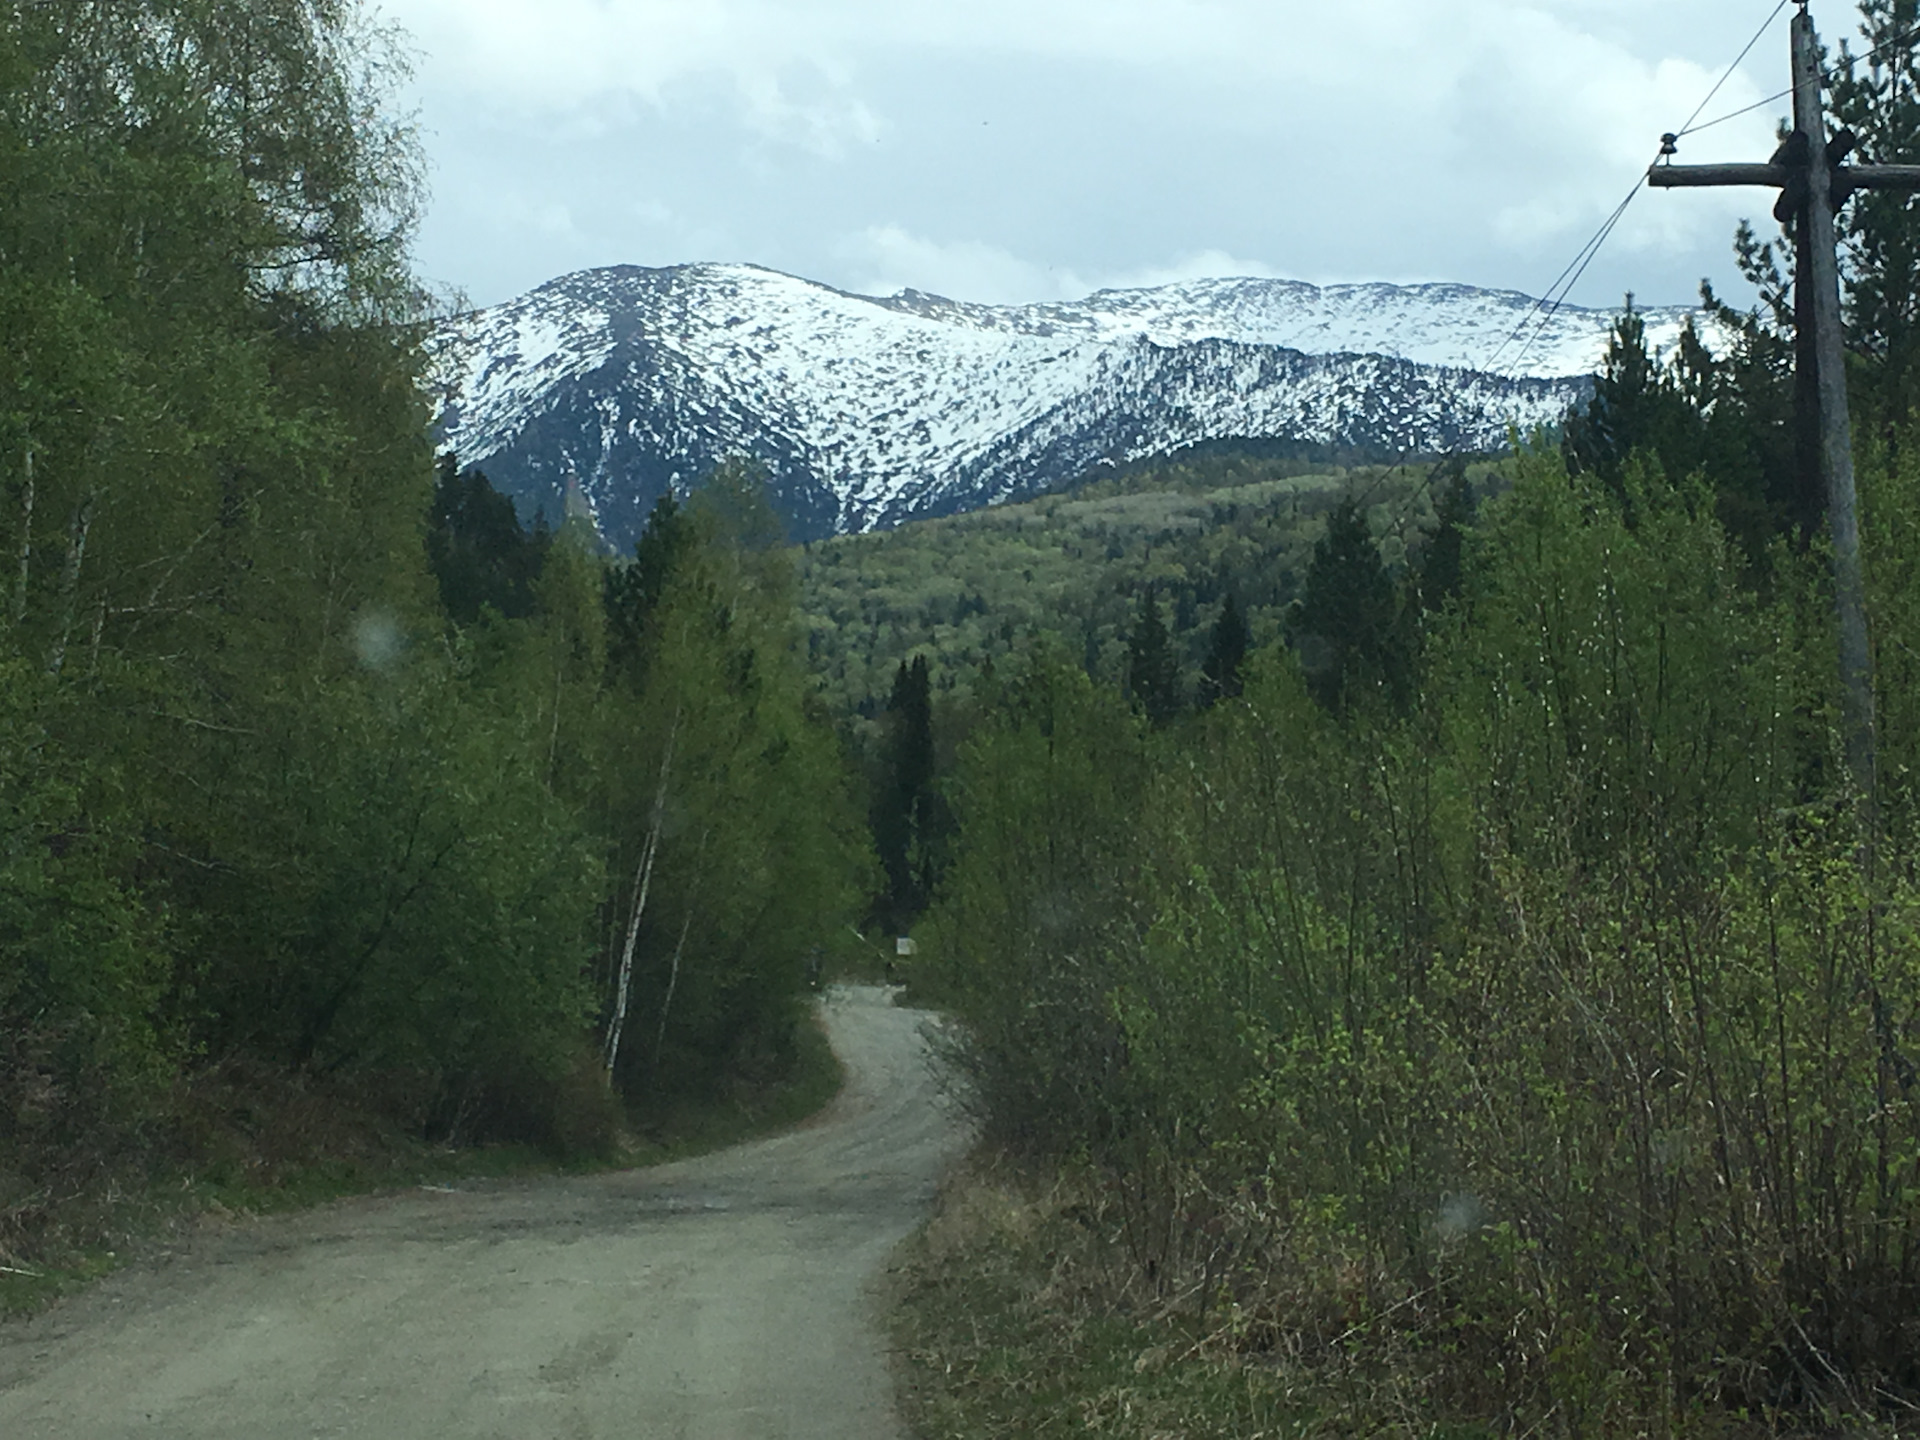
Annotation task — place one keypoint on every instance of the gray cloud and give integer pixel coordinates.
(1021, 149)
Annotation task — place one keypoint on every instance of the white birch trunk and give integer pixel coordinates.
(673, 980)
(679, 949)
(70, 582)
(99, 627)
(642, 881)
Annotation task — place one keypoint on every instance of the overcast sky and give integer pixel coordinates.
(1015, 150)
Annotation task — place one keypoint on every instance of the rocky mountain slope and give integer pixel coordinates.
(601, 389)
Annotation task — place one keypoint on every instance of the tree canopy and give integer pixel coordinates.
(313, 758)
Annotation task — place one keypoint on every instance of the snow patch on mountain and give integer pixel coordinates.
(611, 386)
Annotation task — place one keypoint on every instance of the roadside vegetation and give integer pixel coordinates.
(1499, 1013)
(343, 821)
(1532, 1044)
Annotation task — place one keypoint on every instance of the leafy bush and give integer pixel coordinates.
(1549, 1044)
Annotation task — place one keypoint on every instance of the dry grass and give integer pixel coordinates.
(1017, 1314)
(1008, 1321)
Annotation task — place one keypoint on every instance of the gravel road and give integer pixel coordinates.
(726, 1298)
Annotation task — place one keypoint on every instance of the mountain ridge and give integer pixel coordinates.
(605, 388)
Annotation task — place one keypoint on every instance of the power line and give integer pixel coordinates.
(1550, 304)
(1732, 115)
(1562, 287)
(1592, 251)
(1845, 63)
(1727, 74)
(1494, 358)
(1558, 292)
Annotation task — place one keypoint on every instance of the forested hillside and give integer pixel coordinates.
(1488, 1013)
(1193, 529)
(1502, 1016)
(320, 778)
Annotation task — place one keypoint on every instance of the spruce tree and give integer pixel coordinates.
(1346, 627)
(1637, 408)
(1153, 677)
(480, 553)
(1878, 99)
(1226, 652)
(1443, 566)
(904, 820)
(1728, 417)
(633, 592)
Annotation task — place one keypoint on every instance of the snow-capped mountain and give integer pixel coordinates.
(606, 387)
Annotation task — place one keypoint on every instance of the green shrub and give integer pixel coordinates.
(1546, 1045)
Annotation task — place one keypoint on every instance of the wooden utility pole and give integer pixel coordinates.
(1814, 181)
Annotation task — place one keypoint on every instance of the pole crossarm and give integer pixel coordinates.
(1686, 177)
(1845, 178)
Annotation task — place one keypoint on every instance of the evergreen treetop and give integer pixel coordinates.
(1153, 673)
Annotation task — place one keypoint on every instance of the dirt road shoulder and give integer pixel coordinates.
(725, 1296)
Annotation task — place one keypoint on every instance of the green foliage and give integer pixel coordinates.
(1347, 626)
(1726, 418)
(421, 902)
(213, 451)
(1226, 652)
(1220, 541)
(1443, 567)
(1638, 408)
(1614, 682)
(633, 592)
(310, 767)
(909, 819)
(83, 960)
(480, 554)
(1153, 679)
(968, 591)
(1890, 544)
(1875, 94)
(1541, 1046)
(1038, 904)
